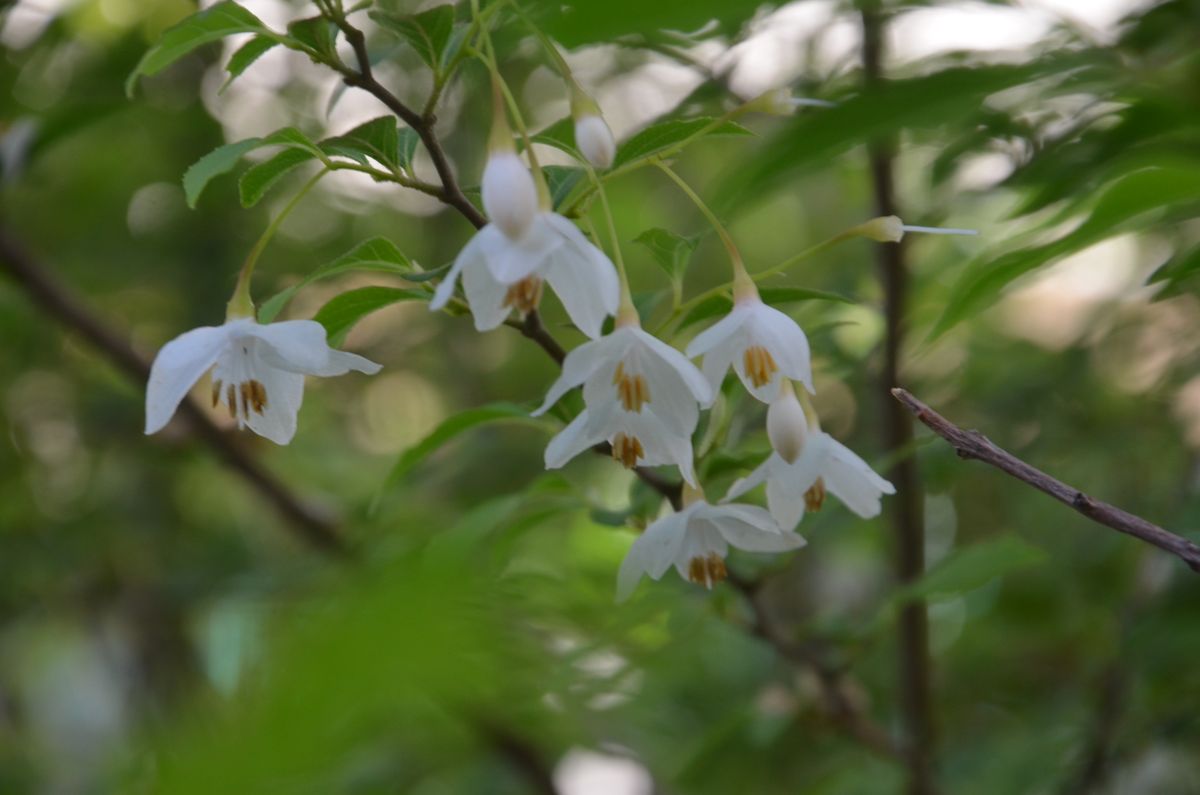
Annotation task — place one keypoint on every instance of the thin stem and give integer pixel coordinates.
(734, 256)
(241, 301)
(626, 295)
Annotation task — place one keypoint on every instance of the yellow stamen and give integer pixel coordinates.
(707, 571)
(759, 365)
(627, 449)
(633, 390)
(231, 400)
(814, 498)
(252, 394)
(258, 396)
(525, 295)
(216, 393)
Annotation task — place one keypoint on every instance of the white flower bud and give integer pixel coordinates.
(595, 140)
(888, 229)
(509, 195)
(787, 427)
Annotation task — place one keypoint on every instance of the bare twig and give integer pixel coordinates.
(523, 757)
(972, 444)
(311, 526)
(906, 509)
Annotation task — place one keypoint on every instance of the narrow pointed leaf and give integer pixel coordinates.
(211, 24)
(340, 314)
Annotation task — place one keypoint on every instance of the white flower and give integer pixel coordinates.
(595, 140)
(500, 274)
(509, 195)
(763, 345)
(642, 397)
(696, 540)
(824, 463)
(258, 372)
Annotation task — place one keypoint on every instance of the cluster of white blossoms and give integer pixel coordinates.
(642, 396)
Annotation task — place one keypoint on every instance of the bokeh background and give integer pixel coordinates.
(163, 628)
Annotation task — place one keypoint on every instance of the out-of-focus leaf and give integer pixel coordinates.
(972, 567)
(222, 159)
(562, 180)
(377, 139)
(407, 147)
(1175, 271)
(340, 314)
(211, 24)
(376, 254)
(317, 34)
(245, 55)
(452, 427)
(722, 304)
(259, 178)
(665, 134)
(590, 22)
(1123, 202)
(429, 32)
(560, 135)
(671, 251)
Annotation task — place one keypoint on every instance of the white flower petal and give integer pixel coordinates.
(702, 540)
(786, 502)
(486, 297)
(659, 444)
(853, 481)
(751, 528)
(785, 341)
(756, 478)
(583, 278)
(509, 195)
(652, 553)
(695, 381)
(718, 333)
(510, 260)
(581, 363)
(471, 256)
(285, 391)
(300, 346)
(180, 364)
(571, 441)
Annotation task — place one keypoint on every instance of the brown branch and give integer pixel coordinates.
(521, 755)
(906, 509)
(832, 680)
(313, 527)
(973, 444)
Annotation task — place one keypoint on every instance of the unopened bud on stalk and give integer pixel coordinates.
(890, 229)
(780, 102)
(787, 427)
(509, 195)
(592, 134)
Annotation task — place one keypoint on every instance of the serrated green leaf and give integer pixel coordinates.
(340, 314)
(376, 254)
(222, 159)
(259, 178)
(723, 304)
(377, 139)
(211, 24)
(1130, 198)
(972, 567)
(428, 32)
(407, 147)
(672, 252)
(562, 180)
(245, 55)
(454, 426)
(316, 34)
(665, 134)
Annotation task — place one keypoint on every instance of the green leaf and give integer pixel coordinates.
(1126, 200)
(666, 134)
(376, 254)
(222, 159)
(247, 54)
(454, 426)
(723, 304)
(260, 177)
(579, 23)
(562, 180)
(560, 135)
(315, 34)
(211, 24)
(377, 139)
(671, 251)
(407, 147)
(429, 32)
(340, 314)
(972, 567)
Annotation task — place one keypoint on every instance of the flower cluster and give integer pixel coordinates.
(642, 396)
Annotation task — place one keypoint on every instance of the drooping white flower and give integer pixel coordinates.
(509, 194)
(796, 482)
(696, 540)
(642, 397)
(763, 344)
(595, 140)
(257, 372)
(501, 274)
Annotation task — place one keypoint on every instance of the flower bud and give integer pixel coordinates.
(887, 229)
(780, 102)
(787, 427)
(509, 195)
(595, 140)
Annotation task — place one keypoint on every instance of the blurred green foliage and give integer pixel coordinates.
(162, 631)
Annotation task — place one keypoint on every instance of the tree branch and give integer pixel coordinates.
(313, 527)
(972, 444)
(906, 509)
